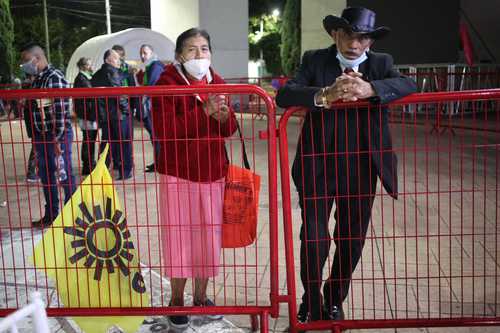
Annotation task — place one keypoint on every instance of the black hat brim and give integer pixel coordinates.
(332, 22)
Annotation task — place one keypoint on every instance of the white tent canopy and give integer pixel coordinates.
(130, 39)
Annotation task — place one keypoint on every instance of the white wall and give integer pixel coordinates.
(314, 35)
(227, 23)
(225, 20)
(172, 17)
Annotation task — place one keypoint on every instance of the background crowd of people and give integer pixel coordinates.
(173, 124)
(50, 120)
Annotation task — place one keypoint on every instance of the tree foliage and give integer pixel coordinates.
(6, 41)
(290, 37)
(73, 22)
(64, 39)
(266, 42)
(257, 8)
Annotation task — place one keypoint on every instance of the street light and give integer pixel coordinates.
(276, 13)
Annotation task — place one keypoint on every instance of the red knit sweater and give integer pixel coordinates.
(191, 143)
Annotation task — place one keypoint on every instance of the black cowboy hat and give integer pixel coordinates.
(355, 19)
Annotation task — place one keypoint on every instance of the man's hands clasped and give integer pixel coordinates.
(347, 88)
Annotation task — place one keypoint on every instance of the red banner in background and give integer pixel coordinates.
(466, 43)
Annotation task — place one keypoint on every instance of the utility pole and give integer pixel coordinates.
(46, 21)
(108, 17)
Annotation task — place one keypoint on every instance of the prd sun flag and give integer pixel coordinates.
(89, 252)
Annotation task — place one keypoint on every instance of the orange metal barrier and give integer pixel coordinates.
(245, 281)
(429, 258)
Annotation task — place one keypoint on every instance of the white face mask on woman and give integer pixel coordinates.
(197, 68)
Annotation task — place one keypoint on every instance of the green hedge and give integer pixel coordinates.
(6, 41)
(290, 37)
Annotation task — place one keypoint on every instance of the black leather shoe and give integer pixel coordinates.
(305, 314)
(335, 312)
(44, 222)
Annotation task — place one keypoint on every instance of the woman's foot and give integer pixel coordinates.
(208, 302)
(178, 322)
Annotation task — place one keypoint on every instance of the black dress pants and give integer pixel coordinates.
(88, 151)
(353, 194)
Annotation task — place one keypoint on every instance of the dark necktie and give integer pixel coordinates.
(348, 70)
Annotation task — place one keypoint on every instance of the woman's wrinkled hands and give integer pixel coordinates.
(217, 108)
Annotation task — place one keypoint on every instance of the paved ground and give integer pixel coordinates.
(431, 254)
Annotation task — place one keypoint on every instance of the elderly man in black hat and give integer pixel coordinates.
(341, 152)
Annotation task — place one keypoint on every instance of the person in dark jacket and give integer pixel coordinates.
(340, 152)
(127, 73)
(148, 77)
(87, 116)
(115, 118)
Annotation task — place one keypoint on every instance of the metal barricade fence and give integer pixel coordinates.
(245, 281)
(429, 258)
(452, 77)
(251, 104)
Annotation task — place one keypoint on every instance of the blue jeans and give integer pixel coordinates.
(44, 145)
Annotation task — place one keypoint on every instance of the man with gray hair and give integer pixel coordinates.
(52, 133)
(87, 116)
(114, 115)
(341, 152)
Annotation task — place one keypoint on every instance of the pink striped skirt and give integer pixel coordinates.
(191, 226)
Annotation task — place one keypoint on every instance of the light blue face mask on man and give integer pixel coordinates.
(351, 63)
(29, 68)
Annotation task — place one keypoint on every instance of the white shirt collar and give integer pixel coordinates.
(355, 68)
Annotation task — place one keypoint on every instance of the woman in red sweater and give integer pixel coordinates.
(192, 163)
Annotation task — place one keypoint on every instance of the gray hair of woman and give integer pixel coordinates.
(193, 32)
(82, 62)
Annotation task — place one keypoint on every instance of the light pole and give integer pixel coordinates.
(46, 23)
(108, 17)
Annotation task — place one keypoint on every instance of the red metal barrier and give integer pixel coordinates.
(430, 258)
(247, 282)
(429, 79)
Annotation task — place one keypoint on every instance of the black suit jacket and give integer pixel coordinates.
(84, 107)
(108, 76)
(328, 136)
